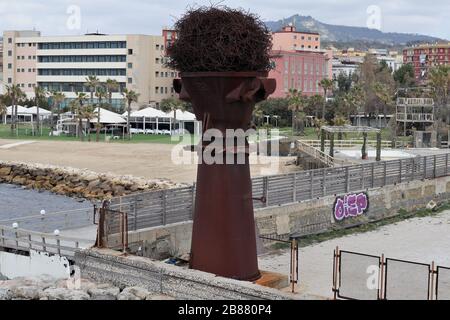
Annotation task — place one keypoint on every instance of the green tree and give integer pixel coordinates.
(327, 85)
(92, 82)
(39, 96)
(172, 104)
(77, 109)
(439, 79)
(404, 76)
(296, 105)
(385, 95)
(57, 98)
(101, 94)
(130, 96)
(111, 86)
(15, 95)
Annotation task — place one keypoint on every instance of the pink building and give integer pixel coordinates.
(291, 40)
(301, 70)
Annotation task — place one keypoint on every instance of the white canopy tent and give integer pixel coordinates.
(156, 119)
(108, 117)
(42, 112)
(22, 114)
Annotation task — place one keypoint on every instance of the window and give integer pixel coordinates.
(29, 44)
(156, 90)
(29, 69)
(130, 51)
(9, 53)
(157, 60)
(9, 40)
(9, 65)
(9, 80)
(157, 74)
(29, 85)
(23, 70)
(157, 47)
(18, 70)
(130, 80)
(29, 57)
(130, 65)
(18, 57)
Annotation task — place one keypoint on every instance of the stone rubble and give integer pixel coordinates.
(77, 183)
(47, 288)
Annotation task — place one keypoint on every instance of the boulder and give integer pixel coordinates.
(27, 293)
(139, 292)
(64, 294)
(104, 294)
(5, 171)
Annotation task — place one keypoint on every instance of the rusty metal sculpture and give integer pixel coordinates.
(224, 240)
(224, 56)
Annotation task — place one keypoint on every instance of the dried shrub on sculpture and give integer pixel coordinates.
(224, 57)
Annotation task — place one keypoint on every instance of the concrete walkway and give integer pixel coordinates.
(16, 144)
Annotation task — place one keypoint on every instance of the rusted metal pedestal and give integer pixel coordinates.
(224, 240)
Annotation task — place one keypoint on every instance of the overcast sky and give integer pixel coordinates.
(148, 16)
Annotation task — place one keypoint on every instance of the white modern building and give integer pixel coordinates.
(63, 63)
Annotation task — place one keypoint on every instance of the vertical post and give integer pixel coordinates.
(30, 245)
(432, 287)
(44, 247)
(424, 168)
(17, 239)
(322, 140)
(446, 164)
(324, 182)
(400, 171)
(385, 173)
(294, 189)
(3, 237)
(381, 279)
(135, 214)
(311, 183)
(266, 190)
(58, 245)
(332, 145)
(372, 175)
(434, 166)
(347, 179)
(164, 207)
(364, 147)
(378, 146)
(193, 201)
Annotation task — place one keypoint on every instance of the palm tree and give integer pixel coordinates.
(15, 94)
(39, 94)
(57, 98)
(318, 124)
(296, 105)
(78, 104)
(92, 82)
(101, 94)
(340, 121)
(88, 113)
(172, 104)
(326, 84)
(130, 96)
(111, 86)
(3, 107)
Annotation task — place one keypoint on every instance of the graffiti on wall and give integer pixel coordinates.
(351, 205)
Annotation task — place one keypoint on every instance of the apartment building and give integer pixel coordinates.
(426, 56)
(63, 63)
(290, 39)
(299, 62)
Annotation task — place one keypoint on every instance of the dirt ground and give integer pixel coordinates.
(145, 160)
(422, 240)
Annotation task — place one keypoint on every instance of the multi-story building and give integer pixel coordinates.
(424, 57)
(291, 40)
(63, 63)
(299, 62)
(299, 70)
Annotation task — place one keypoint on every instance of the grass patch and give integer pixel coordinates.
(24, 133)
(402, 215)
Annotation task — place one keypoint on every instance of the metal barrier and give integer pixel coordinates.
(358, 276)
(293, 264)
(25, 240)
(163, 207)
(48, 222)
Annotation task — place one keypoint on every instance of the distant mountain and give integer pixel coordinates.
(334, 33)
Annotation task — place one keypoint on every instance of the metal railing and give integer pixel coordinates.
(163, 207)
(358, 276)
(415, 102)
(48, 222)
(343, 144)
(25, 240)
(317, 154)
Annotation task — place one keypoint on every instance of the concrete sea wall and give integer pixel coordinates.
(308, 217)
